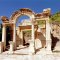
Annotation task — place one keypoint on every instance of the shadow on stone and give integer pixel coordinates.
(54, 41)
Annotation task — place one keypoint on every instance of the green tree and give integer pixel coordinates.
(55, 17)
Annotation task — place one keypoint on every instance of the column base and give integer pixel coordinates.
(48, 52)
(10, 52)
(1, 47)
(4, 46)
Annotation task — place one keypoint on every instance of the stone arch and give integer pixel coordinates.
(21, 12)
(13, 19)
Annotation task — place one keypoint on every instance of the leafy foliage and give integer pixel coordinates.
(55, 17)
(41, 22)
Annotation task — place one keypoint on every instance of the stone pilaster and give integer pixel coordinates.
(14, 35)
(31, 50)
(48, 36)
(21, 36)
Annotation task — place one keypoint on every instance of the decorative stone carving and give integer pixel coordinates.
(20, 12)
(4, 19)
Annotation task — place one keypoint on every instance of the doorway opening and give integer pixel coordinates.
(26, 37)
(8, 37)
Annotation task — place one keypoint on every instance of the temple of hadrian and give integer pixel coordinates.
(29, 32)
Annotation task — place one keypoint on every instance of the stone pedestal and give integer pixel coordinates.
(1, 47)
(11, 47)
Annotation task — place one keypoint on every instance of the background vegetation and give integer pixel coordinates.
(55, 17)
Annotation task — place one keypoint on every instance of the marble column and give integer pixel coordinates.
(4, 36)
(14, 35)
(21, 37)
(31, 50)
(48, 36)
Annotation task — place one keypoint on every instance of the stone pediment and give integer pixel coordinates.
(26, 22)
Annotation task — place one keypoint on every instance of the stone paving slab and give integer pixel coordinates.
(29, 57)
(40, 55)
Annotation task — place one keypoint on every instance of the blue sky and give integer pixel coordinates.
(7, 7)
